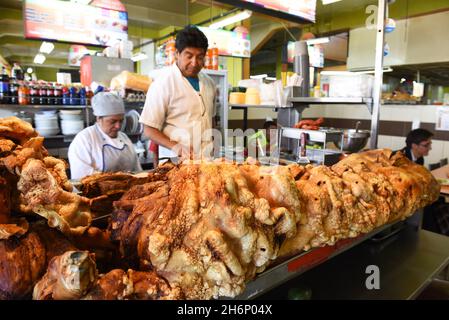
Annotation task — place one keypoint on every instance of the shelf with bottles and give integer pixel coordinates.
(39, 107)
(19, 92)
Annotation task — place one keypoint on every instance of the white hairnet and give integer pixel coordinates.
(107, 104)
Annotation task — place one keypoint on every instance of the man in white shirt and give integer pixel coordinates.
(103, 147)
(179, 105)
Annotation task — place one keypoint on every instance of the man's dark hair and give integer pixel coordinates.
(191, 36)
(417, 136)
(268, 124)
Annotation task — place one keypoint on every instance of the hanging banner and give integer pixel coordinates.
(229, 43)
(73, 22)
(315, 51)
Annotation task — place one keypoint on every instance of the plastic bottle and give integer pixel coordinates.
(43, 94)
(82, 96)
(4, 86)
(17, 72)
(13, 91)
(214, 54)
(208, 59)
(34, 93)
(89, 95)
(65, 96)
(73, 96)
(23, 94)
(57, 92)
(50, 94)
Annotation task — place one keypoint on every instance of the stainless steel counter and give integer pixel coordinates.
(407, 263)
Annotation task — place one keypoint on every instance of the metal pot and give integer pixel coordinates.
(354, 140)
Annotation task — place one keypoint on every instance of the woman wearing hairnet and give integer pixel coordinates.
(103, 147)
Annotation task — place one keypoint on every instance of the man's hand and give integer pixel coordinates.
(183, 152)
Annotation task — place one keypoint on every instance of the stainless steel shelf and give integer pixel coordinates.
(248, 106)
(31, 106)
(330, 100)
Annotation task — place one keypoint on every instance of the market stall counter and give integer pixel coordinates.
(405, 264)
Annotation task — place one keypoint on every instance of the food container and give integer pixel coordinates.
(354, 140)
(236, 98)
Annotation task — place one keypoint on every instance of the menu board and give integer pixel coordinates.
(73, 22)
(304, 8)
(229, 43)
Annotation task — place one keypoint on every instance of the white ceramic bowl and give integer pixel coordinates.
(45, 132)
(69, 116)
(71, 126)
(40, 123)
(70, 112)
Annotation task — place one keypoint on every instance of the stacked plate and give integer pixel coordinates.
(71, 121)
(46, 123)
(131, 123)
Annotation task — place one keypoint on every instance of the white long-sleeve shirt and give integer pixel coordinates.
(92, 151)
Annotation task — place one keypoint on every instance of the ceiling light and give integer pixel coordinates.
(46, 47)
(81, 1)
(39, 58)
(139, 56)
(259, 76)
(329, 1)
(318, 41)
(29, 70)
(271, 78)
(242, 15)
(386, 69)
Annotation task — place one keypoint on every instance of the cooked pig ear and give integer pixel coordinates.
(57, 221)
(69, 276)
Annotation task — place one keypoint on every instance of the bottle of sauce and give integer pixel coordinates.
(43, 94)
(57, 92)
(17, 72)
(82, 96)
(65, 96)
(34, 93)
(13, 91)
(50, 94)
(23, 94)
(4, 86)
(207, 59)
(214, 57)
(73, 96)
(89, 95)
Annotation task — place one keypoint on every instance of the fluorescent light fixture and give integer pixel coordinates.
(39, 58)
(139, 56)
(318, 41)
(372, 71)
(271, 78)
(46, 47)
(259, 76)
(329, 1)
(81, 1)
(242, 15)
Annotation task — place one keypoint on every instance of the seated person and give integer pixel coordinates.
(418, 145)
(103, 147)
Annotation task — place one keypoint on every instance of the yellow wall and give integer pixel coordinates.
(235, 70)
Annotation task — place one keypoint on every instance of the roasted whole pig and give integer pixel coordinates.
(210, 227)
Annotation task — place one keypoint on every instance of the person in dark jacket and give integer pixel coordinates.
(418, 145)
